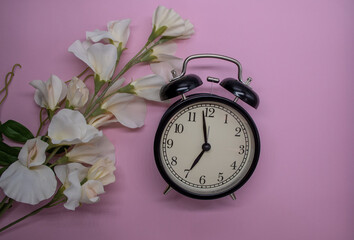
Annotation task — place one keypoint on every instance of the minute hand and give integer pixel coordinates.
(204, 129)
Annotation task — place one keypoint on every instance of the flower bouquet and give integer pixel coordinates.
(68, 160)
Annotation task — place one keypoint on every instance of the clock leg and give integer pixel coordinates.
(232, 195)
(167, 190)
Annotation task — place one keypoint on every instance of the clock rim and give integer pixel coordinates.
(174, 108)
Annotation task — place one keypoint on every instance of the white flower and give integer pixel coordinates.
(118, 32)
(164, 51)
(128, 109)
(149, 87)
(165, 60)
(70, 127)
(78, 93)
(174, 25)
(49, 94)
(90, 152)
(102, 171)
(188, 31)
(102, 120)
(27, 180)
(90, 191)
(71, 175)
(99, 57)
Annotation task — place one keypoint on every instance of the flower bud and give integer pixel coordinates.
(78, 93)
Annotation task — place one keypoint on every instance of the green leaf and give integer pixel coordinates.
(127, 89)
(13, 151)
(156, 33)
(6, 159)
(16, 131)
(98, 83)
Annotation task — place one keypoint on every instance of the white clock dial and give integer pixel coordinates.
(207, 147)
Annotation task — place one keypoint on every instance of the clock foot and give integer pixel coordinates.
(232, 195)
(167, 190)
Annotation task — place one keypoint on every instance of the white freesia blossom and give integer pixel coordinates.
(27, 180)
(172, 21)
(102, 171)
(49, 94)
(149, 87)
(118, 32)
(99, 57)
(71, 175)
(78, 93)
(70, 127)
(90, 152)
(90, 191)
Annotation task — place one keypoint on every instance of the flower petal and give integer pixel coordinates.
(33, 153)
(129, 109)
(98, 35)
(70, 127)
(71, 176)
(90, 152)
(103, 59)
(115, 86)
(120, 31)
(102, 119)
(169, 18)
(80, 51)
(28, 185)
(103, 171)
(165, 68)
(90, 191)
(149, 87)
(41, 93)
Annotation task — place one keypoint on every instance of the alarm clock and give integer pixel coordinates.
(207, 146)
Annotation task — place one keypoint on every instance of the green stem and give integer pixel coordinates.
(8, 81)
(5, 206)
(52, 154)
(41, 122)
(83, 72)
(3, 202)
(48, 205)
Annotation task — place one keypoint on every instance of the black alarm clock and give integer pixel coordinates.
(207, 146)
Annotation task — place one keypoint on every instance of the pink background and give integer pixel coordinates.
(300, 55)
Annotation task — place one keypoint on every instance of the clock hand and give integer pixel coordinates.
(197, 159)
(204, 129)
(206, 147)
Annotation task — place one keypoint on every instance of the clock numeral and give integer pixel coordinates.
(191, 116)
(220, 177)
(242, 149)
(209, 112)
(233, 165)
(169, 143)
(202, 179)
(226, 118)
(187, 170)
(238, 131)
(179, 128)
(174, 161)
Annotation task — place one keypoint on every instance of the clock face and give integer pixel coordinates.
(206, 146)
